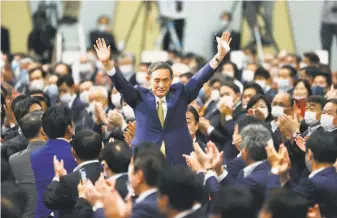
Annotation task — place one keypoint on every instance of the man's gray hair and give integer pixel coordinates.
(101, 89)
(255, 138)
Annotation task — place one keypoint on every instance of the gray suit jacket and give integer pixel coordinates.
(23, 174)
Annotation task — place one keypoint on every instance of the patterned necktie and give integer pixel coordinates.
(160, 112)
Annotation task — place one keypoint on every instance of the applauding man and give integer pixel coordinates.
(160, 111)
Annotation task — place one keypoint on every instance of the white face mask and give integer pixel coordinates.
(65, 98)
(264, 111)
(141, 78)
(277, 111)
(327, 122)
(215, 95)
(128, 112)
(283, 85)
(126, 68)
(303, 65)
(261, 83)
(84, 97)
(176, 79)
(224, 23)
(102, 27)
(116, 100)
(228, 73)
(36, 85)
(310, 118)
(247, 75)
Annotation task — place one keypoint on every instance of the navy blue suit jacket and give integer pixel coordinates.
(320, 189)
(43, 168)
(175, 133)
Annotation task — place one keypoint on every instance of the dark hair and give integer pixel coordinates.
(306, 85)
(312, 56)
(22, 108)
(68, 80)
(70, 71)
(293, 72)
(194, 112)
(298, 58)
(188, 75)
(324, 68)
(56, 120)
(326, 76)
(117, 156)
(31, 124)
(262, 73)
(333, 101)
(215, 79)
(160, 65)
(17, 100)
(255, 86)
(235, 67)
(103, 17)
(323, 146)
(283, 203)
(318, 100)
(145, 63)
(233, 86)
(87, 144)
(311, 71)
(247, 120)
(255, 99)
(44, 74)
(234, 202)
(151, 161)
(226, 13)
(181, 186)
(45, 98)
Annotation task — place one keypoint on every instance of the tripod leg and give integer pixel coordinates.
(160, 38)
(174, 36)
(133, 23)
(146, 17)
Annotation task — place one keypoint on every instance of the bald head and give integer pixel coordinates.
(283, 99)
(98, 94)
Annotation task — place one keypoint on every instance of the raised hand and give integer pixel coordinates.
(300, 142)
(59, 168)
(204, 158)
(237, 138)
(103, 51)
(192, 162)
(223, 44)
(332, 93)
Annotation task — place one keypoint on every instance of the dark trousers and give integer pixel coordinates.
(328, 31)
(179, 27)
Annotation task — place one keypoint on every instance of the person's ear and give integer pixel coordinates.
(139, 175)
(309, 154)
(334, 121)
(148, 78)
(73, 152)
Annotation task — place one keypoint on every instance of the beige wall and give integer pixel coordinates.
(15, 15)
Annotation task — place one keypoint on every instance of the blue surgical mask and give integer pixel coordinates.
(14, 65)
(318, 90)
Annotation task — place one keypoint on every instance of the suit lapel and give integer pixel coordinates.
(170, 107)
(151, 103)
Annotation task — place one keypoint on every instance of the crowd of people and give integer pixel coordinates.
(105, 137)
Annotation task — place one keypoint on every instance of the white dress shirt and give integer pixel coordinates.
(188, 212)
(143, 195)
(273, 125)
(250, 168)
(71, 102)
(313, 173)
(164, 104)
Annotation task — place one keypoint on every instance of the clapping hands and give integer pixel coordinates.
(59, 168)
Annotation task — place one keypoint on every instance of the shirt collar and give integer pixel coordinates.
(116, 176)
(63, 139)
(314, 173)
(85, 163)
(188, 212)
(194, 139)
(250, 168)
(273, 125)
(158, 99)
(313, 128)
(71, 102)
(143, 195)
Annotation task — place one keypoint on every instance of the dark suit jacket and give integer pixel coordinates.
(14, 145)
(235, 166)
(319, 129)
(108, 37)
(43, 168)
(79, 113)
(271, 94)
(320, 189)
(5, 45)
(235, 44)
(175, 133)
(23, 173)
(11, 133)
(62, 196)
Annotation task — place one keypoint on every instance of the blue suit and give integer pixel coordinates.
(175, 133)
(320, 189)
(43, 168)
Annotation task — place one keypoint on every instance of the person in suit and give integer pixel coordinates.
(68, 98)
(19, 142)
(263, 78)
(230, 72)
(284, 203)
(13, 200)
(58, 125)
(31, 127)
(313, 113)
(62, 193)
(179, 191)
(329, 116)
(5, 45)
(192, 119)
(160, 110)
(234, 201)
(320, 187)
(126, 65)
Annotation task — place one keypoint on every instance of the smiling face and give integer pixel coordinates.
(160, 82)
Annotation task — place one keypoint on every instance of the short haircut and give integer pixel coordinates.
(254, 140)
(333, 101)
(311, 71)
(293, 72)
(151, 161)
(44, 73)
(67, 79)
(45, 99)
(31, 124)
(17, 100)
(318, 100)
(233, 86)
(214, 80)
(323, 146)
(255, 86)
(56, 120)
(255, 99)
(69, 69)
(312, 56)
(298, 58)
(283, 203)
(181, 185)
(160, 65)
(22, 108)
(226, 13)
(261, 72)
(194, 113)
(117, 156)
(326, 76)
(87, 144)
(100, 89)
(247, 120)
(234, 201)
(235, 67)
(188, 75)
(306, 85)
